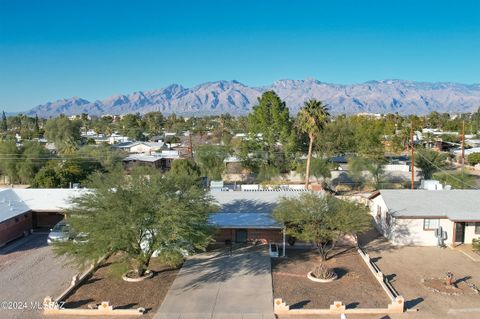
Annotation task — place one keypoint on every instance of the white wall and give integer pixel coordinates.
(411, 232)
(407, 231)
(470, 233)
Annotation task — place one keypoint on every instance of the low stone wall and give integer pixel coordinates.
(54, 306)
(396, 305)
(104, 309)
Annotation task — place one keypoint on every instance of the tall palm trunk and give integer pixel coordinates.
(309, 157)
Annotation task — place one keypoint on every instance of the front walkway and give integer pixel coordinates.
(467, 250)
(220, 285)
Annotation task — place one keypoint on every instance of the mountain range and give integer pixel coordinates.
(213, 98)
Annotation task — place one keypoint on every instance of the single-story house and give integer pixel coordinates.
(162, 161)
(243, 216)
(141, 147)
(247, 216)
(412, 217)
(22, 210)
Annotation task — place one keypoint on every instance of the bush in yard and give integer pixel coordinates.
(476, 245)
(137, 216)
(473, 159)
(322, 271)
(322, 219)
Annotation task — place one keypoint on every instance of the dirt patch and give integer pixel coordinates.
(459, 287)
(106, 284)
(356, 287)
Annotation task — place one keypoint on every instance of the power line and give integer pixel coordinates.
(446, 172)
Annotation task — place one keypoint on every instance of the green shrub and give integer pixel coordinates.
(476, 245)
(474, 158)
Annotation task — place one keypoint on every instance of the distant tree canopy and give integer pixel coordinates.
(458, 180)
(20, 164)
(3, 123)
(131, 125)
(77, 167)
(210, 159)
(271, 133)
(366, 171)
(62, 131)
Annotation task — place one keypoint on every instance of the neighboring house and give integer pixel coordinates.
(22, 210)
(246, 216)
(162, 161)
(141, 147)
(409, 217)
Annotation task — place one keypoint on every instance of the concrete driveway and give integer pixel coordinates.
(28, 273)
(220, 285)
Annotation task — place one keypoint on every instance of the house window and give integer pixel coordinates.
(477, 228)
(431, 224)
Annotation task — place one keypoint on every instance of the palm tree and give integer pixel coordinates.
(311, 119)
(430, 162)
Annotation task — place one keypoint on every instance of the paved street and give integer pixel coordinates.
(29, 272)
(214, 285)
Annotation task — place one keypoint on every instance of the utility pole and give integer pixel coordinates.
(412, 158)
(463, 145)
(463, 153)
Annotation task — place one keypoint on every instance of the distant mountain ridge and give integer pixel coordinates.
(213, 98)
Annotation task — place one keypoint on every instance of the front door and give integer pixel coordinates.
(459, 233)
(241, 235)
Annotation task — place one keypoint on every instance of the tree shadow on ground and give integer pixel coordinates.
(127, 306)
(463, 279)
(300, 305)
(31, 242)
(78, 303)
(340, 272)
(220, 267)
(413, 302)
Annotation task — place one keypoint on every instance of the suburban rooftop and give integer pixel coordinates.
(457, 205)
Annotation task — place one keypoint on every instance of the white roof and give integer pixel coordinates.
(11, 205)
(240, 209)
(48, 199)
(456, 205)
(16, 201)
(467, 151)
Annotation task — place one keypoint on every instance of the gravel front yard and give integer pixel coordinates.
(356, 286)
(106, 284)
(29, 271)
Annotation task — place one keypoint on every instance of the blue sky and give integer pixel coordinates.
(96, 48)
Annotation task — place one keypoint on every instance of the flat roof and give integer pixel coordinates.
(16, 201)
(248, 209)
(244, 220)
(11, 205)
(456, 205)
